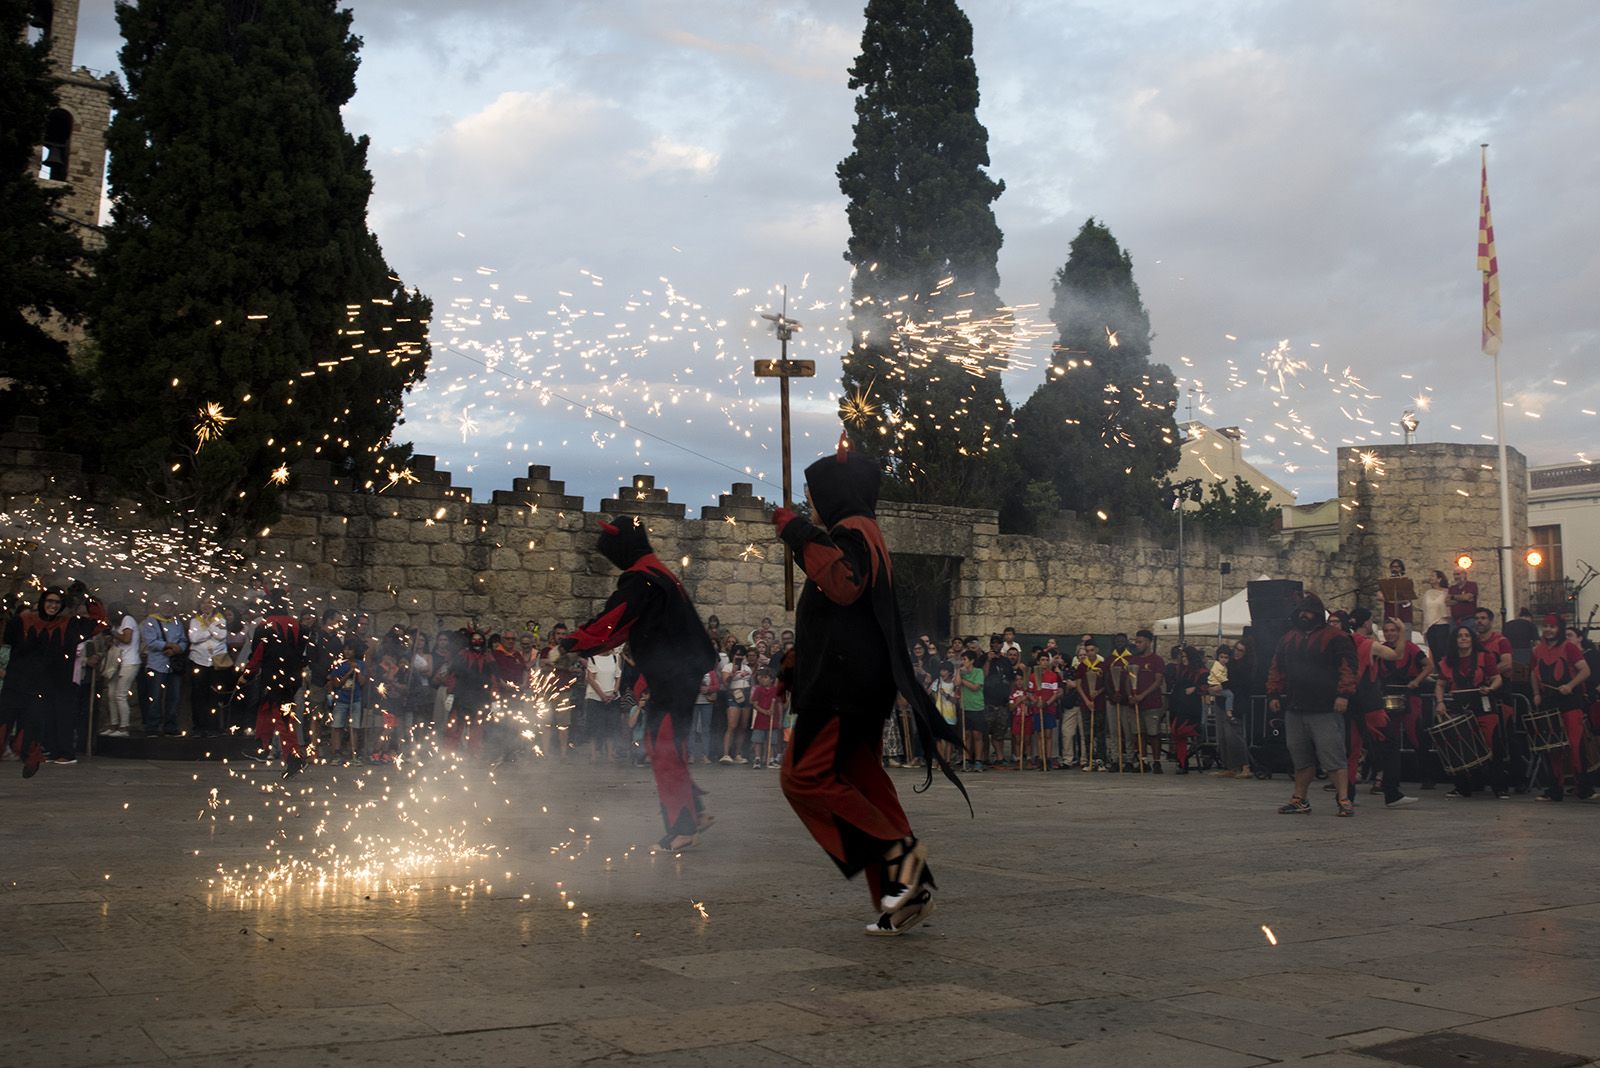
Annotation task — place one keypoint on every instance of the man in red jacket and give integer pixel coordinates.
(1312, 679)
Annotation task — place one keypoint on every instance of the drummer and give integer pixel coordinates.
(1470, 679)
(1369, 721)
(1559, 674)
(1405, 678)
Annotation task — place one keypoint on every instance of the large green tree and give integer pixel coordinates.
(921, 380)
(1245, 508)
(1100, 428)
(41, 260)
(245, 313)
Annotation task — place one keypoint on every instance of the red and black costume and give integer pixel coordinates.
(1555, 664)
(1461, 677)
(850, 661)
(39, 697)
(1186, 706)
(473, 679)
(278, 657)
(653, 613)
(1370, 723)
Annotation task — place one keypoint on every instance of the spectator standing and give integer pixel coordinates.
(601, 706)
(1147, 676)
(1233, 740)
(700, 725)
(1463, 598)
(973, 712)
(347, 686)
(737, 682)
(1189, 683)
(163, 639)
(997, 676)
(208, 658)
(122, 660)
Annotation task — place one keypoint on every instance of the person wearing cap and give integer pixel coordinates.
(652, 612)
(1559, 674)
(850, 662)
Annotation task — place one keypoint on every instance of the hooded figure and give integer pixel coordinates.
(39, 699)
(652, 612)
(278, 659)
(850, 662)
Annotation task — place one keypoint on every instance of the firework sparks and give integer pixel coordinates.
(210, 424)
(279, 476)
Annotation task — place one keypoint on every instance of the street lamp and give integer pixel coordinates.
(1177, 493)
(1409, 423)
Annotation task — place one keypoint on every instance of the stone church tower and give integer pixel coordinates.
(74, 150)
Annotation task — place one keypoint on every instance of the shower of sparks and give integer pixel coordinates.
(858, 409)
(1111, 338)
(280, 475)
(752, 551)
(1272, 939)
(1371, 461)
(397, 477)
(700, 907)
(210, 425)
(467, 425)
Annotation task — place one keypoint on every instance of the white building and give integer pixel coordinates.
(1564, 524)
(1218, 454)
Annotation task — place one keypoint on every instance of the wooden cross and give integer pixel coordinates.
(784, 369)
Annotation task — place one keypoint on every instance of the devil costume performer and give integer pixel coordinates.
(39, 698)
(652, 612)
(850, 661)
(278, 658)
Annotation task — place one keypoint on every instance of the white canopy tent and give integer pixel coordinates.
(1201, 624)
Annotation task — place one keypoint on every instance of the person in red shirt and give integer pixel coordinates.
(1406, 677)
(1559, 674)
(1468, 678)
(1463, 596)
(1044, 700)
(1369, 721)
(1147, 674)
(1090, 680)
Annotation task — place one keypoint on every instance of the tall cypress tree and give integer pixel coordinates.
(239, 278)
(42, 262)
(921, 379)
(1100, 430)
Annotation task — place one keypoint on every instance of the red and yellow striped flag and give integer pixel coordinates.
(1489, 266)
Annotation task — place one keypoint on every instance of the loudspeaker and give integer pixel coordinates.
(1263, 639)
(1273, 600)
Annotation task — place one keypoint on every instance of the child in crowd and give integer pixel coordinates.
(1022, 726)
(766, 741)
(946, 700)
(1217, 679)
(345, 686)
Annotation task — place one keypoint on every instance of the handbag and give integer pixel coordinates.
(222, 661)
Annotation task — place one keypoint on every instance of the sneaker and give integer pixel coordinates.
(1347, 808)
(1156, 767)
(674, 843)
(899, 921)
(1376, 789)
(1129, 768)
(1501, 795)
(725, 759)
(1456, 795)
(1297, 806)
(740, 760)
(1401, 801)
(902, 874)
(64, 760)
(756, 765)
(1550, 795)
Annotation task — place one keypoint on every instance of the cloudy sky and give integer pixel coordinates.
(602, 196)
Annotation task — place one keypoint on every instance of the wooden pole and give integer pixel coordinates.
(788, 490)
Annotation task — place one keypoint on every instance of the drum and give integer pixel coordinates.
(1545, 731)
(1591, 751)
(1459, 744)
(1396, 704)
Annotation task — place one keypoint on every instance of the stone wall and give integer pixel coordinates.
(424, 553)
(1425, 504)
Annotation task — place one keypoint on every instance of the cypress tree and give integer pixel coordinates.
(921, 381)
(41, 268)
(1101, 430)
(244, 311)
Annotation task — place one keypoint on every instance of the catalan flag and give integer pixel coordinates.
(1489, 266)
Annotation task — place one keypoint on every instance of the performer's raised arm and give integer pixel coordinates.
(609, 629)
(841, 569)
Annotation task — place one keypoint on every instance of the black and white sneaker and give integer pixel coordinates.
(902, 874)
(898, 921)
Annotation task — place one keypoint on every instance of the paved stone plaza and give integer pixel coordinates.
(1083, 920)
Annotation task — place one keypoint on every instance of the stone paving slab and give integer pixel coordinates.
(1083, 920)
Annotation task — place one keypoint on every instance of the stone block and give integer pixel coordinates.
(391, 530)
(429, 533)
(432, 578)
(446, 553)
(447, 601)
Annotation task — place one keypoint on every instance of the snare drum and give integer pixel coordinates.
(1546, 733)
(1459, 744)
(1396, 704)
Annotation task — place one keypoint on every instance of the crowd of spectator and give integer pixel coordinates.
(1116, 707)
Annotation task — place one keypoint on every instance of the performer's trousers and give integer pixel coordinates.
(838, 788)
(1497, 773)
(1182, 734)
(1383, 735)
(274, 718)
(667, 743)
(1122, 719)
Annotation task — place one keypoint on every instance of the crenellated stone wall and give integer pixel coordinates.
(424, 553)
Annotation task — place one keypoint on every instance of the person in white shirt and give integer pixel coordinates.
(208, 643)
(738, 679)
(122, 673)
(602, 711)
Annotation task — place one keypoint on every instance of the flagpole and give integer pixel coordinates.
(1492, 333)
(1507, 610)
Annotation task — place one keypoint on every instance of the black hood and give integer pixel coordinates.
(623, 541)
(1313, 604)
(51, 591)
(843, 485)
